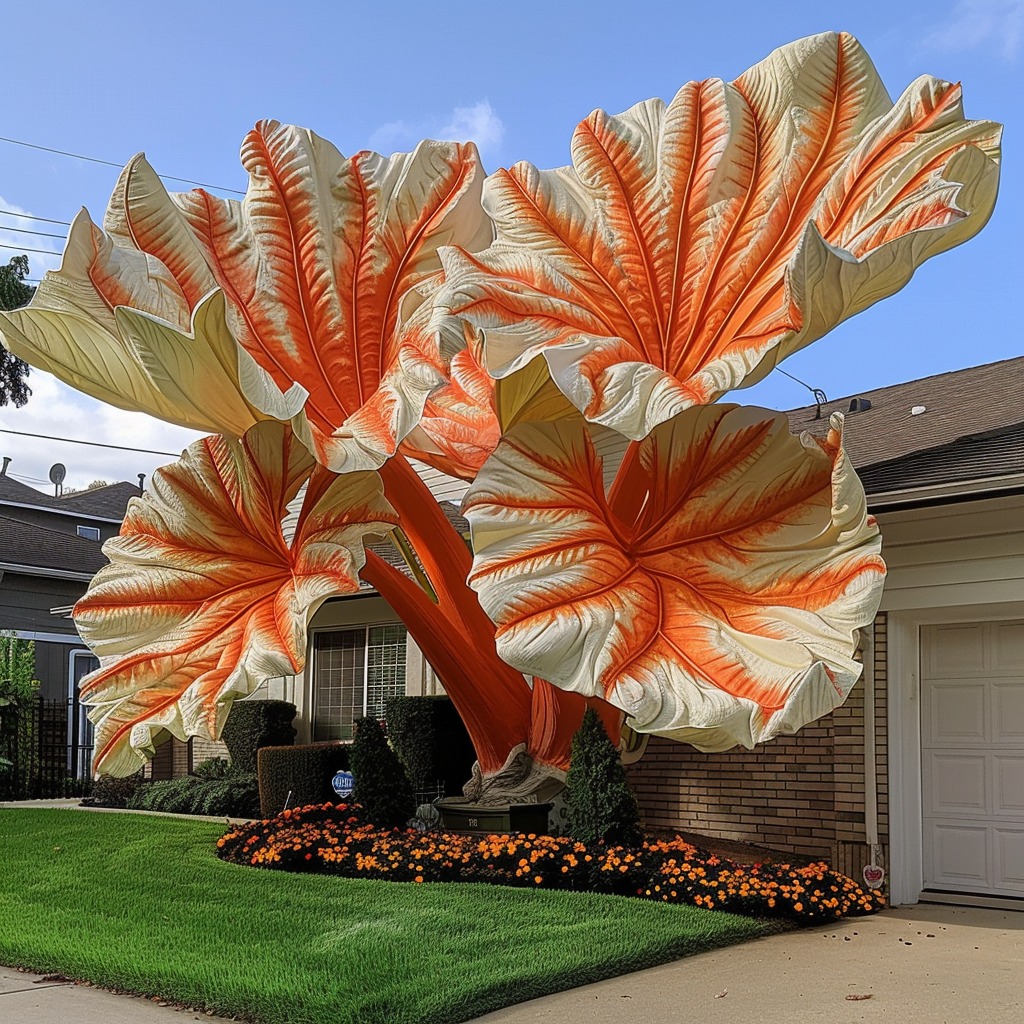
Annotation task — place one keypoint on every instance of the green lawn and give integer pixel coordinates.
(142, 904)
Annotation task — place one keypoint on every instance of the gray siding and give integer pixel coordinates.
(25, 603)
(59, 523)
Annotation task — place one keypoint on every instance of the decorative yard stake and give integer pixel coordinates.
(352, 314)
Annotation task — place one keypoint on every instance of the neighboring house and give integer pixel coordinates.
(50, 548)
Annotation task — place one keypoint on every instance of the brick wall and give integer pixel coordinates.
(800, 794)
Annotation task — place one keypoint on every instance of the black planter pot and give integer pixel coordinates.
(458, 814)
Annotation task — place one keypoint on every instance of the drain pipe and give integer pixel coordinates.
(870, 771)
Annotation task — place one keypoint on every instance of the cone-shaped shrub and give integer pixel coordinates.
(382, 784)
(600, 803)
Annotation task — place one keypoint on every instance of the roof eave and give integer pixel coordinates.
(947, 493)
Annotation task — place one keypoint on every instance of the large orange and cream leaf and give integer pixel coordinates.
(715, 597)
(204, 598)
(459, 428)
(116, 323)
(691, 246)
(325, 265)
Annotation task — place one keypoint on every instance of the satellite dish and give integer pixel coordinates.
(57, 473)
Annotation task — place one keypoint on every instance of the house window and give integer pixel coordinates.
(89, 532)
(354, 672)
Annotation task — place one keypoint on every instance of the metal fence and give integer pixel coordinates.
(45, 751)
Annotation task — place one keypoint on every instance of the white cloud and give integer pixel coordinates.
(995, 25)
(38, 262)
(55, 410)
(477, 123)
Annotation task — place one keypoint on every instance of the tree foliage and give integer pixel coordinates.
(14, 292)
(600, 802)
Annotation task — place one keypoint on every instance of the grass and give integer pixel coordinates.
(142, 904)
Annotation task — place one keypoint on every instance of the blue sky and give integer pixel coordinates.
(184, 82)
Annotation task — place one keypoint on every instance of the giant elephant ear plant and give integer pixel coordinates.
(351, 315)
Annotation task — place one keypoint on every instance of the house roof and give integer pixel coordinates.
(30, 545)
(959, 405)
(109, 502)
(969, 425)
(390, 554)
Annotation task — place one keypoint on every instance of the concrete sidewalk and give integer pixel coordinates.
(919, 965)
(926, 964)
(49, 999)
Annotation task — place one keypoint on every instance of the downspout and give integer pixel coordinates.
(870, 771)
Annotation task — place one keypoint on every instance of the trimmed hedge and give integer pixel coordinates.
(108, 791)
(235, 795)
(298, 775)
(431, 741)
(253, 724)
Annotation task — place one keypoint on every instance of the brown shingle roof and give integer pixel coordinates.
(961, 404)
(109, 502)
(31, 545)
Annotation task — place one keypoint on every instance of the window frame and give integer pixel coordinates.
(353, 627)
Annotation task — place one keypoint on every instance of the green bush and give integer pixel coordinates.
(295, 776)
(213, 768)
(253, 724)
(19, 753)
(601, 805)
(431, 741)
(382, 785)
(235, 795)
(110, 792)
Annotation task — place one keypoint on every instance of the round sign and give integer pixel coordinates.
(874, 876)
(343, 782)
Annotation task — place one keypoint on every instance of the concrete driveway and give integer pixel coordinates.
(926, 964)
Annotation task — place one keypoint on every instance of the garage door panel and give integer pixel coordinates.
(955, 650)
(960, 854)
(1008, 788)
(1008, 646)
(1009, 851)
(958, 714)
(1008, 711)
(955, 784)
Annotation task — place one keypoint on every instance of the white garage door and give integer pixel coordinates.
(972, 751)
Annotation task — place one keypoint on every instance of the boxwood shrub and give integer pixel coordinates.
(235, 795)
(298, 775)
(253, 724)
(430, 739)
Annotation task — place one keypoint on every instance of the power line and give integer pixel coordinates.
(29, 216)
(27, 231)
(114, 163)
(92, 444)
(25, 248)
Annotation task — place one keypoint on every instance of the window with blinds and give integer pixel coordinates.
(354, 672)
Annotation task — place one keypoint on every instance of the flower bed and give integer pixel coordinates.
(332, 839)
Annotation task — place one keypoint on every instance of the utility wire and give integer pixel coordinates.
(114, 163)
(25, 248)
(28, 216)
(26, 231)
(92, 444)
